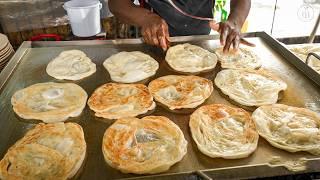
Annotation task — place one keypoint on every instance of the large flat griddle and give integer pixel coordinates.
(28, 66)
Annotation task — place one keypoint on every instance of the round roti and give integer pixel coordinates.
(130, 67)
(143, 146)
(222, 131)
(48, 151)
(178, 92)
(289, 128)
(250, 87)
(244, 58)
(71, 65)
(113, 101)
(49, 102)
(189, 58)
(302, 51)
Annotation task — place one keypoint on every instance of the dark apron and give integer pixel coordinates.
(180, 25)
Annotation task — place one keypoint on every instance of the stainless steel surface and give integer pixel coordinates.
(28, 67)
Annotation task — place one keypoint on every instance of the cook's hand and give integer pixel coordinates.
(229, 35)
(155, 31)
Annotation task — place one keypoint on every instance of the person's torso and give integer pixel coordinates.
(179, 24)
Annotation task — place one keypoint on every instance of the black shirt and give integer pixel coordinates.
(179, 24)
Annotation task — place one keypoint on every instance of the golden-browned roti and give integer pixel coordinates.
(71, 65)
(223, 131)
(113, 100)
(189, 58)
(130, 67)
(143, 146)
(49, 102)
(250, 87)
(48, 151)
(177, 92)
(289, 128)
(244, 58)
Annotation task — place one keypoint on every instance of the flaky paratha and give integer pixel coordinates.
(48, 151)
(314, 63)
(250, 87)
(189, 58)
(71, 65)
(130, 67)
(177, 92)
(243, 58)
(302, 51)
(49, 102)
(113, 100)
(289, 128)
(222, 131)
(143, 146)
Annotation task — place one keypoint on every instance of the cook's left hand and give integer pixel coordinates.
(229, 34)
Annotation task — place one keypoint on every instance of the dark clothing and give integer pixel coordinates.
(179, 24)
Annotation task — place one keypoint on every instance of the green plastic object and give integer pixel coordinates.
(220, 10)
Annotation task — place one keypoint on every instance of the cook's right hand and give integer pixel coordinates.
(155, 31)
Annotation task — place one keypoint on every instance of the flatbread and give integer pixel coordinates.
(113, 100)
(290, 128)
(177, 92)
(314, 63)
(130, 67)
(49, 102)
(302, 51)
(222, 131)
(250, 87)
(244, 58)
(48, 151)
(189, 58)
(143, 146)
(71, 65)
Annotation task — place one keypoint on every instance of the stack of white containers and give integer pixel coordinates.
(6, 51)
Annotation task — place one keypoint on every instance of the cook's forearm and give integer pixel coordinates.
(128, 13)
(239, 10)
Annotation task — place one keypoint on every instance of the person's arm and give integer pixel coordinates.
(230, 30)
(153, 28)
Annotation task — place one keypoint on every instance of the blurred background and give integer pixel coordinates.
(21, 20)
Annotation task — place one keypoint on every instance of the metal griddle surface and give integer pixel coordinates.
(31, 69)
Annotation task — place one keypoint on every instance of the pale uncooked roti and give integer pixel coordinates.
(222, 131)
(143, 146)
(71, 65)
(113, 100)
(178, 92)
(250, 87)
(289, 128)
(302, 51)
(314, 63)
(48, 151)
(130, 67)
(49, 102)
(189, 58)
(244, 58)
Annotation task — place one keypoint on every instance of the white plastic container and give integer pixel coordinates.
(84, 16)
